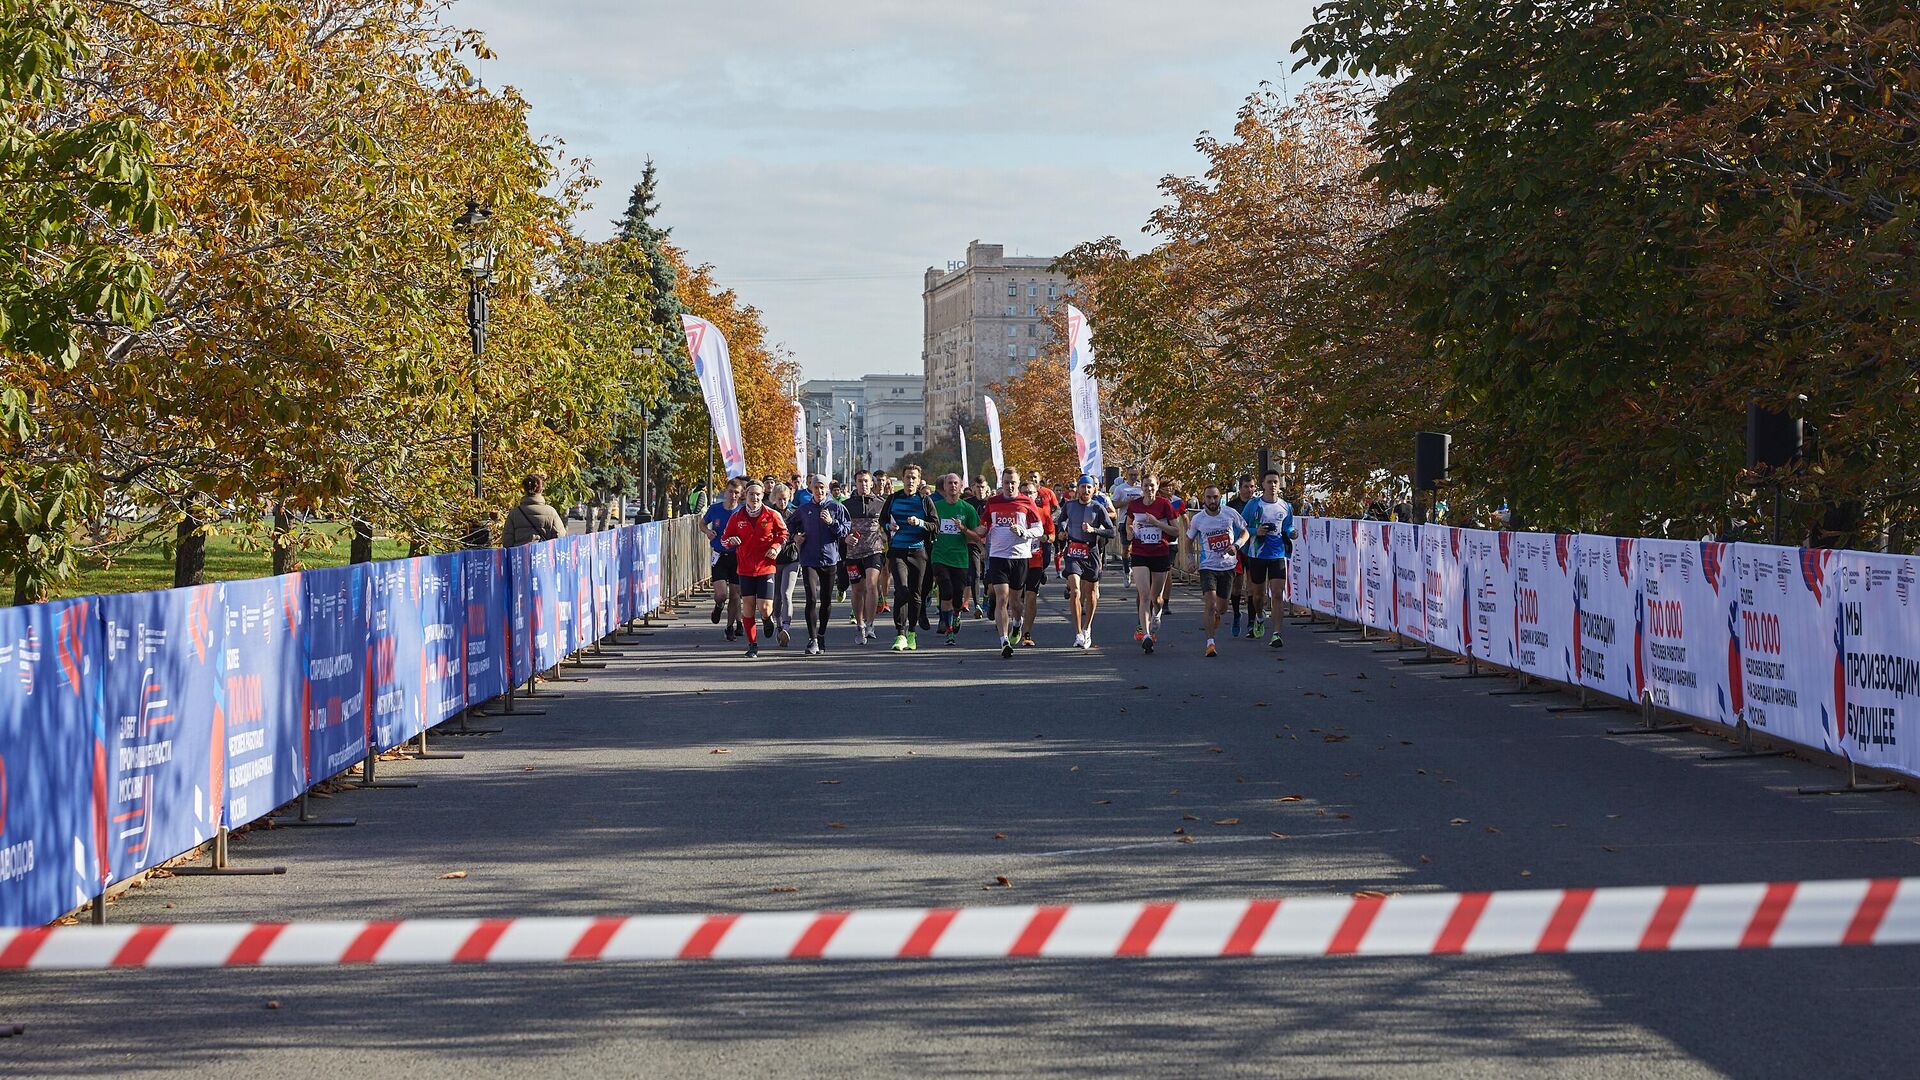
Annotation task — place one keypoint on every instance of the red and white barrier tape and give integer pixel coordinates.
(1883, 911)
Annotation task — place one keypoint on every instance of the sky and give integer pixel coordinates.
(822, 155)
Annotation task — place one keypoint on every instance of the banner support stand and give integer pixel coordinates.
(1648, 713)
(221, 866)
(97, 911)
(305, 817)
(1746, 751)
(423, 754)
(367, 780)
(1526, 688)
(1853, 785)
(465, 731)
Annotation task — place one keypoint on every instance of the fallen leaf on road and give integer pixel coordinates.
(1351, 775)
(1228, 821)
(1444, 780)
(1458, 821)
(273, 1004)
(1076, 768)
(1406, 742)
(1491, 829)
(1140, 688)
(526, 768)
(1424, 859)
(1188, 817)
(1526, 873)
(1335, 738)
(1215, 750)
(1259, 704)
(999, 836)
(719, 750)
(1181, 831)
(1609, 849)
(1290, 798)
(1344, 817)
(1561, 825)
(1369, 894)
(1103, 802)
(1175, 791)
(1186, 839)
(449, 876)
(1003, 881)
(783, 888)
(829, 781)
(1322, 811)
(835, 825)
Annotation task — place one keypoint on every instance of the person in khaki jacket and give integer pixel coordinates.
(532, 520)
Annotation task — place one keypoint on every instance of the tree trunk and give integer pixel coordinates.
(362, 549)
(190, 551)
(416, 548)
(283, 560)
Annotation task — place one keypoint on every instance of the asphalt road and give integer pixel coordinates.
(1086, 763)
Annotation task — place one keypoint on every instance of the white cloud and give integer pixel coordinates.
(853, 144)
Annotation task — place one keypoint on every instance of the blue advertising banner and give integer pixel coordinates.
(483, 578)
(395, 652)
(443, 619)
(549, 607)
(53, 762)
(606, 580)
(650, 538)
(628, 548)
(520, 609)
(568, 557)
(257, 709)
(334, 693)
(162, 681)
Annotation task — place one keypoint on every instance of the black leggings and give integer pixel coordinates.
(908, 567)
(819, 582)
(953, 584)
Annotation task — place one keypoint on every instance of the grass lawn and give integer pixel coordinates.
(229, 558)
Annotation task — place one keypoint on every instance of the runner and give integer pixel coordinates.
(977, 552)
(754, 535)
(1271, 521)
(907, 517)
(838, 493)
(1013, 525)
(1171, 490)
(1150, 523)
(821, 526)
(1026, 609)
(1126, 488)
(883, 487)
(952, 551)
(1220, 534)
(786, 568)
(927, 492)
(1242, 495)
(726, 575)
(866, 548)
(1084, 526)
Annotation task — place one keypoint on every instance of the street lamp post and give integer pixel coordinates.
(476, 263)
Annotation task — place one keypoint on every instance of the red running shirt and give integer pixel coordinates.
(1151, 540)
(760, 537)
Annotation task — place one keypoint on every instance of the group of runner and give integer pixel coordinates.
(986, 553)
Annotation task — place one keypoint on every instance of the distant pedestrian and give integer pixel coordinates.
(532, 520)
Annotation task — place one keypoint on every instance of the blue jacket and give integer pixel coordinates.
(900, 507)
(819, 541)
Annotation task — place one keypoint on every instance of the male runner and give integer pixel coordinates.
(1013, 524)
(1126, 488)
(1151, 522)
(1084, 525)
(1220, 533)
(1242, 495)
(754, 534)
(1026, 609)
(1271, 521)
(838, 492)
(907, 517)
(726, 575)
(977, 552)
(866, 548)
(952, 551)
(820, 526)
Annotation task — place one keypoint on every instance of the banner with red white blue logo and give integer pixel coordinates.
(1297, 588)
(1607, 620)
(1688, 608)
(1373, 543)
(1442, 587)
(54, 812)
(334, 695)
(483, 637)
(1409, 583)
(1543, 604)
(1876, 679)
(257, 711)
(1345, 557)
(1487, 569)
(1786, 643)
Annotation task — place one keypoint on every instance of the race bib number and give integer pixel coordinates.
(1078, 549)
(1147, 534)
(1219, 543)
(949, 526)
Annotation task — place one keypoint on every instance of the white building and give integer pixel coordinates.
(878, 421)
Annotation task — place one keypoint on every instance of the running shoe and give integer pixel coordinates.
(784, 637)
(913, 641)
(731, 636)
(753, 651)
(716, 613)
(1146, 644)
(1006, 648)
(1026, 640)
(1210, 649)
(899, 643)
(854, 619)
(1139, 632)
(1253, 631)
(951, 639)
(978, 614)
(1274, 642)
(767, 626)
(813, 648)
(884, 608)
(1236, 625)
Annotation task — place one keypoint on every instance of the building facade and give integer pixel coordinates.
(985, 317)
(878, 421)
